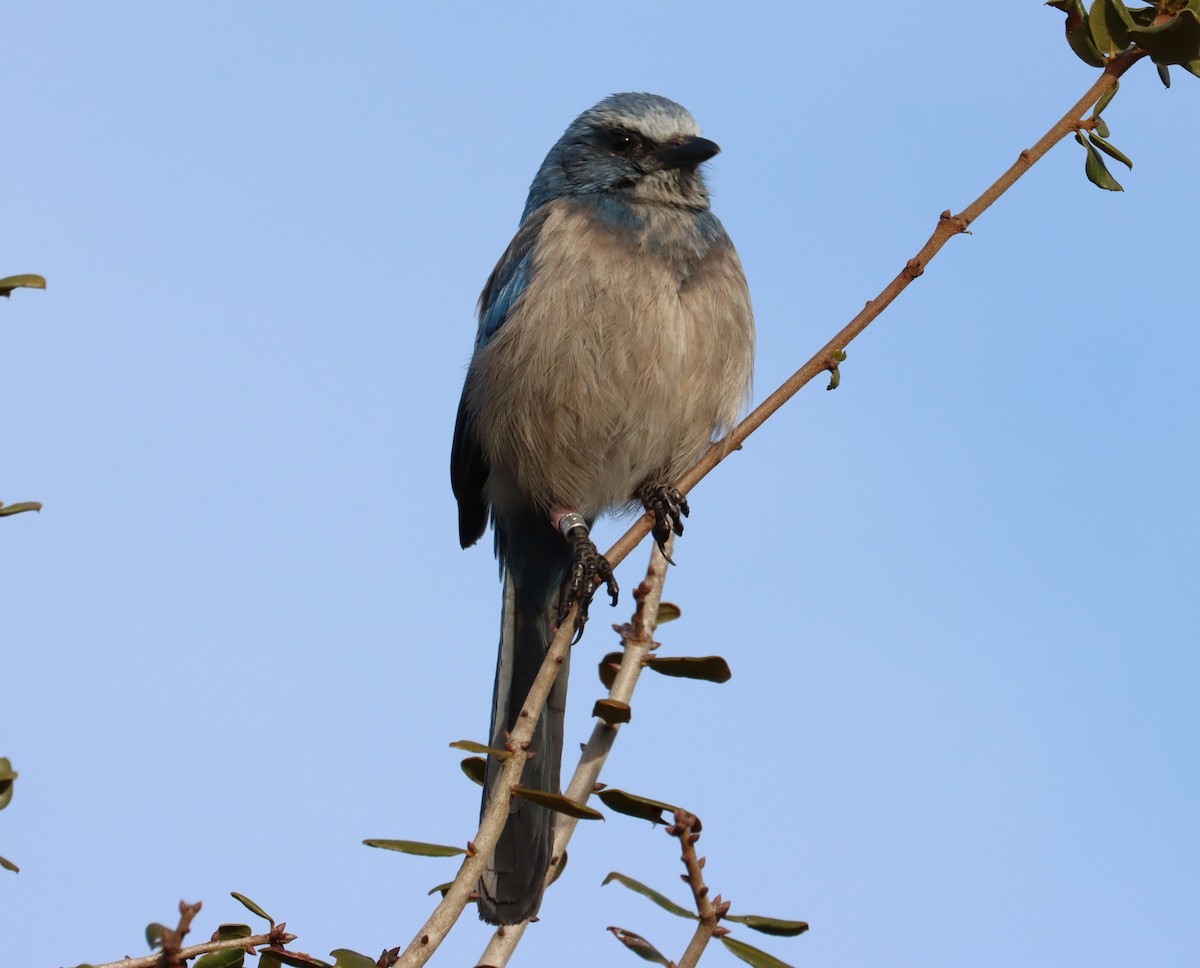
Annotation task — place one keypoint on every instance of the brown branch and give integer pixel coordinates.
(710, 911)
(174, 955)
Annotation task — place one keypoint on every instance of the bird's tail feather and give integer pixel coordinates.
(510, 889)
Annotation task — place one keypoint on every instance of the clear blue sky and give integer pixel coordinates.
(958, 595)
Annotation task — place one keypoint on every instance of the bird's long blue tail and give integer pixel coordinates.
(510, 889)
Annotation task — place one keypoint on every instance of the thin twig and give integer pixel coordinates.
(710, 911)
(181, 955)
(456, 898)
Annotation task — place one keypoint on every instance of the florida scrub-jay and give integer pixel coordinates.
(615, 340)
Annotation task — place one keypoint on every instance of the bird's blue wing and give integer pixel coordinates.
(510, 278)
(468, 466)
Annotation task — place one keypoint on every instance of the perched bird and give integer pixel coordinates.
(615, 340)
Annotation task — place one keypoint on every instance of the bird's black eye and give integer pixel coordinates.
(621, 142)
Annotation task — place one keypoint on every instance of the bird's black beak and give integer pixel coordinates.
(688, 153)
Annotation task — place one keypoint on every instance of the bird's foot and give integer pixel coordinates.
(669, 507)
(589, 569)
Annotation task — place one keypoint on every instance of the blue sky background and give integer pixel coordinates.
(958, 595)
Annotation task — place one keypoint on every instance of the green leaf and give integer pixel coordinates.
(7, 776)
(1193, 67)
(475, 767)
(1098, 173)
(1164, 75)
(440, 889)
(7, 509)
(1106, 100)
(1175, 42)
(26, 280)
(154, 934)
(558, 803)
(1101, 128)
(295, 959)
(641, 807)
(639, 888)
(1084, 47)
(1095, 169)
(708, 668)
(1121, 13)
(608, 668)
(416, 847)
(351, 959)
(751, 955)
(225, 958)
(667, 612)
(640, 946)
(470, 746)
(1078, 35)
(8, 865)
(612, 711)
(1109, 29)
(252, 907)
(776, 926)
(227, 932)
(1110, 150)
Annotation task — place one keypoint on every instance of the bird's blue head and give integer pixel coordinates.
(641, 148)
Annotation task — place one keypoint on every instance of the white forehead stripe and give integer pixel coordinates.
(655, 117)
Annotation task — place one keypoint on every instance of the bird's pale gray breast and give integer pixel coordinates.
(622, 359)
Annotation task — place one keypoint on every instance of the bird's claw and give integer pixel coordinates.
(589, 569)
(669, 507)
